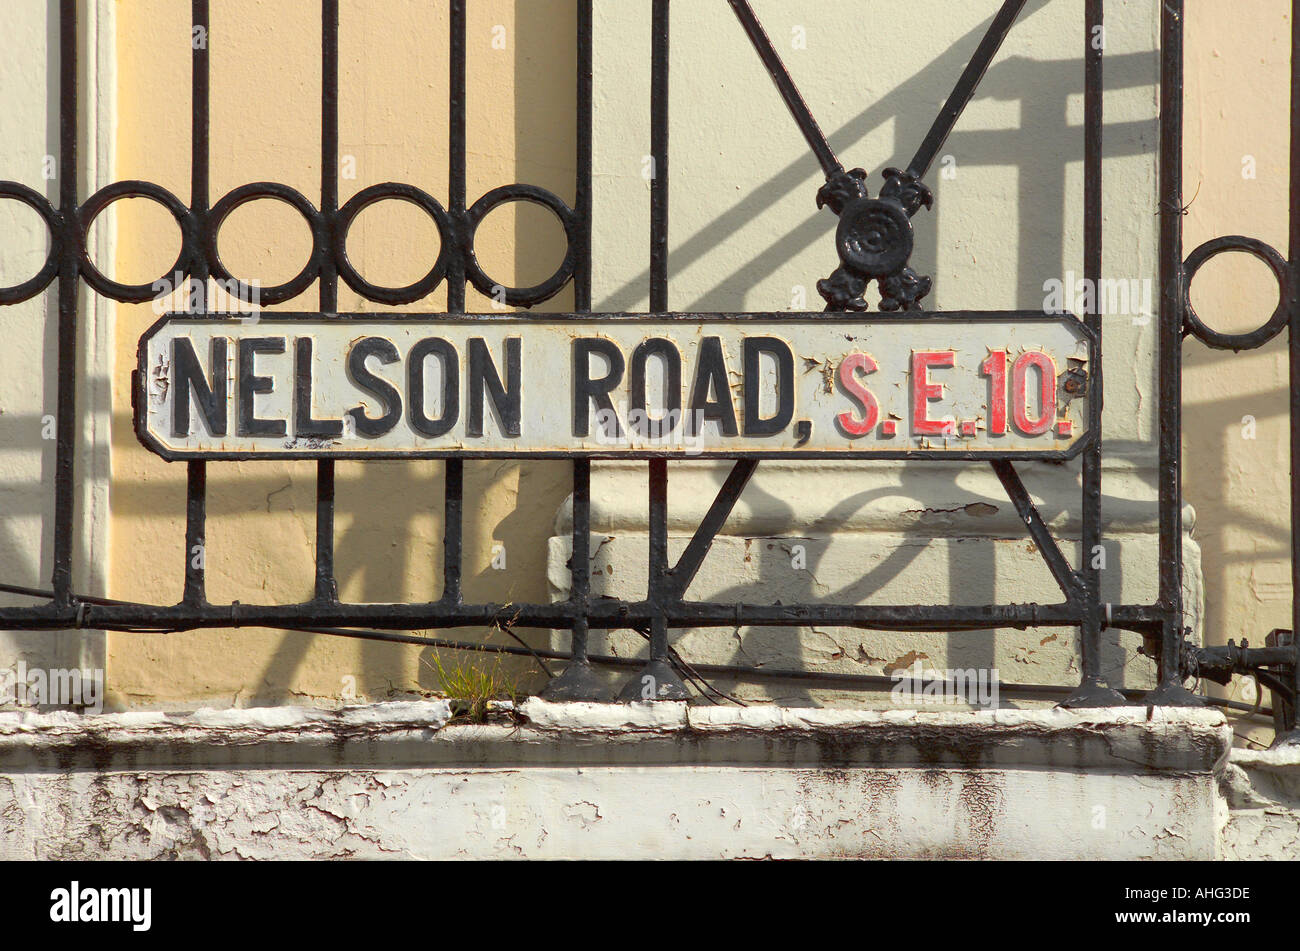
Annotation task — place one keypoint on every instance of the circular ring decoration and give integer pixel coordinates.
(38, 203)
(364, 199)
(874, 238)
(1242, 341)
(253, 191)
(135, 293)
(522, 296)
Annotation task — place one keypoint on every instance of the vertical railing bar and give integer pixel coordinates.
(196, 496)
(454, 470)
(582, 191)
(1170, 690)
(580, 563)
(658, 569)
(200, 187)
(1091, 692)
(1293, 330)
(69, 274)
(329, 147)
(452, 530)
(658, 512)
(453, 537)
(659, 155)
(578, 682)
(658, 681)
(326, 584)
(456, 171)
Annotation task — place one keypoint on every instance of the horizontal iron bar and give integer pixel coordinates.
(747, 673)
(606, 614)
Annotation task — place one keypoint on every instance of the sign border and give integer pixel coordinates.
(139, 376)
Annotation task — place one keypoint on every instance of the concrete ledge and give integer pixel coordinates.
(612, 781)
(1130, 739)
(218, 738)
(1261, 790)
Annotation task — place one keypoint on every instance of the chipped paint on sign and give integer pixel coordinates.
(1002, 385)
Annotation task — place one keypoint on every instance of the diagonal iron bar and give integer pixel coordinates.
(785, 85)
(965, 88)
(691, 559)
(1051, 552)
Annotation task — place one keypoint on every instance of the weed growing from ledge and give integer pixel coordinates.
(470, 686)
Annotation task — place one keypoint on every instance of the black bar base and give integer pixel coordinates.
(662, 684)
(1092, 695)
(578, 682)
(1172, 695)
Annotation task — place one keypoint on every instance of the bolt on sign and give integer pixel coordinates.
(615, 385)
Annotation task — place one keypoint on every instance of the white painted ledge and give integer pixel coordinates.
(1261, 789)
(421, 734)
(612, 781)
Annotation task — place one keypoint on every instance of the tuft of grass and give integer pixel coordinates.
(470, 685)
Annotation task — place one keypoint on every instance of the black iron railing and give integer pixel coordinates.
(882, 224)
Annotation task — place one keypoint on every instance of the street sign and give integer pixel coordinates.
(966, 385)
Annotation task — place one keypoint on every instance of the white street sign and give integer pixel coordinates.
(615, 385)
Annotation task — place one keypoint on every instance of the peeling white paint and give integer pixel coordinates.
(1261, 792)
(605, 716)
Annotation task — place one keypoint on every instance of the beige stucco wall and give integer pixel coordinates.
(745, 236)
